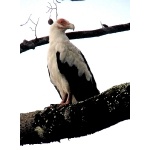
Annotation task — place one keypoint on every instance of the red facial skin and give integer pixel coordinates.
(64, 23)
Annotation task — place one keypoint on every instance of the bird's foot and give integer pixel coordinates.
(51, 106)
(62, 104)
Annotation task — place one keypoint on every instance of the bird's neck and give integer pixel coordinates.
(57, 36)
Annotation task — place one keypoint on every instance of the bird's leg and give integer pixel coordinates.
(69, 98)
(64, 99)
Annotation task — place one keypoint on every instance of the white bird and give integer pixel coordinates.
(68, 69)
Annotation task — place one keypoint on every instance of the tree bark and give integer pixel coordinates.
(74, 120)
(27, 45)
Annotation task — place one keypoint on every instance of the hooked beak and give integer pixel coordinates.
(71, 26)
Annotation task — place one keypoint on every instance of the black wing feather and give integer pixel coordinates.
(79, 86)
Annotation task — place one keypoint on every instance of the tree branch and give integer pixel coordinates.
(26, 45)
(29, 19)
(50, 9)
(86, 117)
(26, 21)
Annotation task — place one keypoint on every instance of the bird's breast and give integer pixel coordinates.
(56, 77)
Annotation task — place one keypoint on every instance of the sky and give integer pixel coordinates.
(109, 58)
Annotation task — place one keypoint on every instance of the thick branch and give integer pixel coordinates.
(26, 45)
(86, 117)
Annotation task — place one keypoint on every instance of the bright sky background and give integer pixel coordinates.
(109, 58)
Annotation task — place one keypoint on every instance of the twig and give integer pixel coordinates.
(35, 26)
(56, 9)
(104, 25)
(32, 29)
(52, 8)
(32, 21)
(27, 21)
(57, 1)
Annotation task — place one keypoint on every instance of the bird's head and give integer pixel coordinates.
(63, 24)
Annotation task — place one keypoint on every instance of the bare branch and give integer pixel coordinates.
(103, 25)
(32, 21)
(76, 120)
(52, 8)
(27, 21)
(36, 27)
(76, 35)
(50, 4)
(32, 29)
(58, 1)
(56, 9)
(48, 9)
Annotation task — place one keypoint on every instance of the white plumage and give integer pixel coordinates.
(68, 69)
